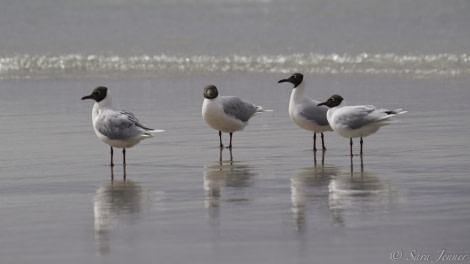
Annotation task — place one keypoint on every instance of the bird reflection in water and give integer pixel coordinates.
(361, 190)
(115, 202)
(309, 190)
(225, 182)
(329, 193)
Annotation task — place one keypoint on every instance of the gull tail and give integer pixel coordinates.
(155, 130)
(149, 132)
(395, 112)
(385, 120)
(260, 109)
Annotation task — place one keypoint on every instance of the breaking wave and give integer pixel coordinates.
(416, 66)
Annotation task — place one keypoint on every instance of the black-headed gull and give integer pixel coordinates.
(119, 129)
(305, 112)
(227, 113)
(357, 120)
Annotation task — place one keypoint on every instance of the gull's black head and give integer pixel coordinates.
(210, 92)
(98, 94)
(332, 101)
(295, 79)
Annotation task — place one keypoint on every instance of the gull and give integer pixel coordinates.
(227, 113)
(305, 112)
(119, 129)
(357, 120)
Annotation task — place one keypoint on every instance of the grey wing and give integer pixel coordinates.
(315, 113)
(119, 125)
(357, 116)
(134, 120)
(234, 106)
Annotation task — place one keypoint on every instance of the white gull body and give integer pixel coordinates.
(358, 120)
(119, 129)
(227, 113)
(304, 111)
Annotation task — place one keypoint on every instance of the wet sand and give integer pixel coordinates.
(274, 201)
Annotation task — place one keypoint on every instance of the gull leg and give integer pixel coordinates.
(230, 146)
(112, 174)
(220, 139)
(220, 156)
(314, 141)
(362, 166)
(352, 166)
(323, 141)
(351, 145)
(361, 145)
(124, 157)
(111, 164)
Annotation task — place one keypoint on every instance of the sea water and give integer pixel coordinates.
(271, 199)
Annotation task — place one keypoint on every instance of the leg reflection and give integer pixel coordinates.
(352, 165)
(322, 158)
(220, 155)
(124, 174)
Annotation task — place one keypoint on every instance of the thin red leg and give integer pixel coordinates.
(361, 145)
(111, 164)
(351, 145)
(230, 146)
(314, 141)
(124, 156)
(220, 139)
(112, 174)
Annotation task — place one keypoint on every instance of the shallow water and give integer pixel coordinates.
(272, 199)
(180, 199)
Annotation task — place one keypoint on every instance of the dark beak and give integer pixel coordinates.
(320, 104)
(86, 97)
(283, 80)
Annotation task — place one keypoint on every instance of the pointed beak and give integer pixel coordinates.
(283, 80)
(86, 97)
(320, 104)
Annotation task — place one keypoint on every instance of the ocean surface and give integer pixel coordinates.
(180, 199)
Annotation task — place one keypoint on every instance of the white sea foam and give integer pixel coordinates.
(22, 66)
